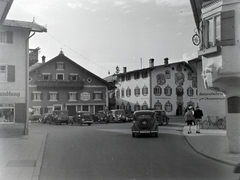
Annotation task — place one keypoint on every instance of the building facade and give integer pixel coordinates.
(62, 84)
(14, 39)
(219, 29)
(169, 87)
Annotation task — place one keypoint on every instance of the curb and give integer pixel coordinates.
(207, 156)
(36, 173)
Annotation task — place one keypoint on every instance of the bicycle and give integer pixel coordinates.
(219, 122)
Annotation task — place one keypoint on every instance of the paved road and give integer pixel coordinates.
(102, 152)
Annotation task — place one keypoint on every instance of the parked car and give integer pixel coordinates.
(162, 117)
(144, 122)
(82, 117)
(59, 117)
(118, 115)
(129, 114)
(46, 118)
(102, 116)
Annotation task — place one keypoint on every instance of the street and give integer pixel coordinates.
(109, 152)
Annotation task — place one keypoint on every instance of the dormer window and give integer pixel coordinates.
(6, 37)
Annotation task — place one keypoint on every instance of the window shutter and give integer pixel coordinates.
(45, 110)
(57, 96)
(41, 110)
(93, 95)
(227, 28)
(41, 96)
(77, 96)
(205, 34)
(50, 76)
(11, 73)
(101, 95)
(63, 65)
(32, 96)
(68, 96)
(48, 96)
(9, 37)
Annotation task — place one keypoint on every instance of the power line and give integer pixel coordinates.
(76, 52)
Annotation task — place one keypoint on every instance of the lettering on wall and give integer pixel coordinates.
(10, 94)
(85, 96)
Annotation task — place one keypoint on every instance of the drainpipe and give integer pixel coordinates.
(26, 131)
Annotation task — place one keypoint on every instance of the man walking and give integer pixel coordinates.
(198, 118)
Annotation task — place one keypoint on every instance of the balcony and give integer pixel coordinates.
(59, 83)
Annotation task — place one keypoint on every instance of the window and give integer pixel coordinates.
(49, 109)
(97, 95)
(60, 65)
(128, 77)
(137, 91)
(122, 78)
(128, 92)
(128, 106)
(168, 90)
(72, 96)
(190, 91)
(144, 106)
(158, 105)
(57, 107)
(189, 75)
(144, 74)
(60, 76)
(122, 106)
(53, 96)
(167, 74)
(168, 107)
(73, 77)
(37, 110)
(85, 108)
(46, 76)
(36, 96)
(118, 93)
(7, 113)
(6, 37)
(7, 73)
(122, 92)
(218, 29)
(136, 107)
(136, 75)
(157, 91)
(145, 90)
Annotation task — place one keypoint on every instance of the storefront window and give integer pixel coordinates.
(7, 112)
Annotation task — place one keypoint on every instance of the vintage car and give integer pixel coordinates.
(102, 116)
(144, 122)
(59, 117)
(82, 117)
(118, 115)
(129, 115)
(46, 118)
(162, 117)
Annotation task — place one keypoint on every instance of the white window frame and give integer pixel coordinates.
(57, 105)
(53, 93)
(60, 65)
(3, 79)
(37, 95)
(37, 110)
(97, 95)
(72, 96)
(8, 106)
(73, 75)
(49, 109)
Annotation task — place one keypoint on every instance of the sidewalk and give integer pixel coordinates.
(211, 143)
(21, 157)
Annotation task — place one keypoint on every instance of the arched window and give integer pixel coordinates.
(168, 107)
(128, 92)
(118, 93)
(122, 92)
(168, 90)
(190, 91)
(157, 90)
(122, 106)
(136, 107)
(145, 90)
(144, 106)
(137, 91)
(158, 105)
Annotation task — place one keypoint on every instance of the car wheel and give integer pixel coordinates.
(89, 124)
(133, 135)
(156, 135)
(67, 123)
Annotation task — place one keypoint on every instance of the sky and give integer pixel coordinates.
(102, 34)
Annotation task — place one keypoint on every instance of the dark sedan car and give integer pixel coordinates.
(82, 117)
(144, 122)
(162, 117)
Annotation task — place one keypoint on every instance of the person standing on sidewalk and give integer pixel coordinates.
(198, 114)
(189, 118)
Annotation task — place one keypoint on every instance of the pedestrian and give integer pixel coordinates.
(189, 118)
(198, 114)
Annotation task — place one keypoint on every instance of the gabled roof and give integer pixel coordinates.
(62, 56)
(24, 25)
(4, 8)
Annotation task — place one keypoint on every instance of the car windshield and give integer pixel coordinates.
(146, 115)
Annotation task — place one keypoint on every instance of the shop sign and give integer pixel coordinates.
(85, 96)
(9, 94)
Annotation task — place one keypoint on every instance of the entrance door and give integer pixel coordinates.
(71, 110)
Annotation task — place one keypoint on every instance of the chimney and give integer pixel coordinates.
(165, 61)
(151, 62)
(43, 59)
(124, 69)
